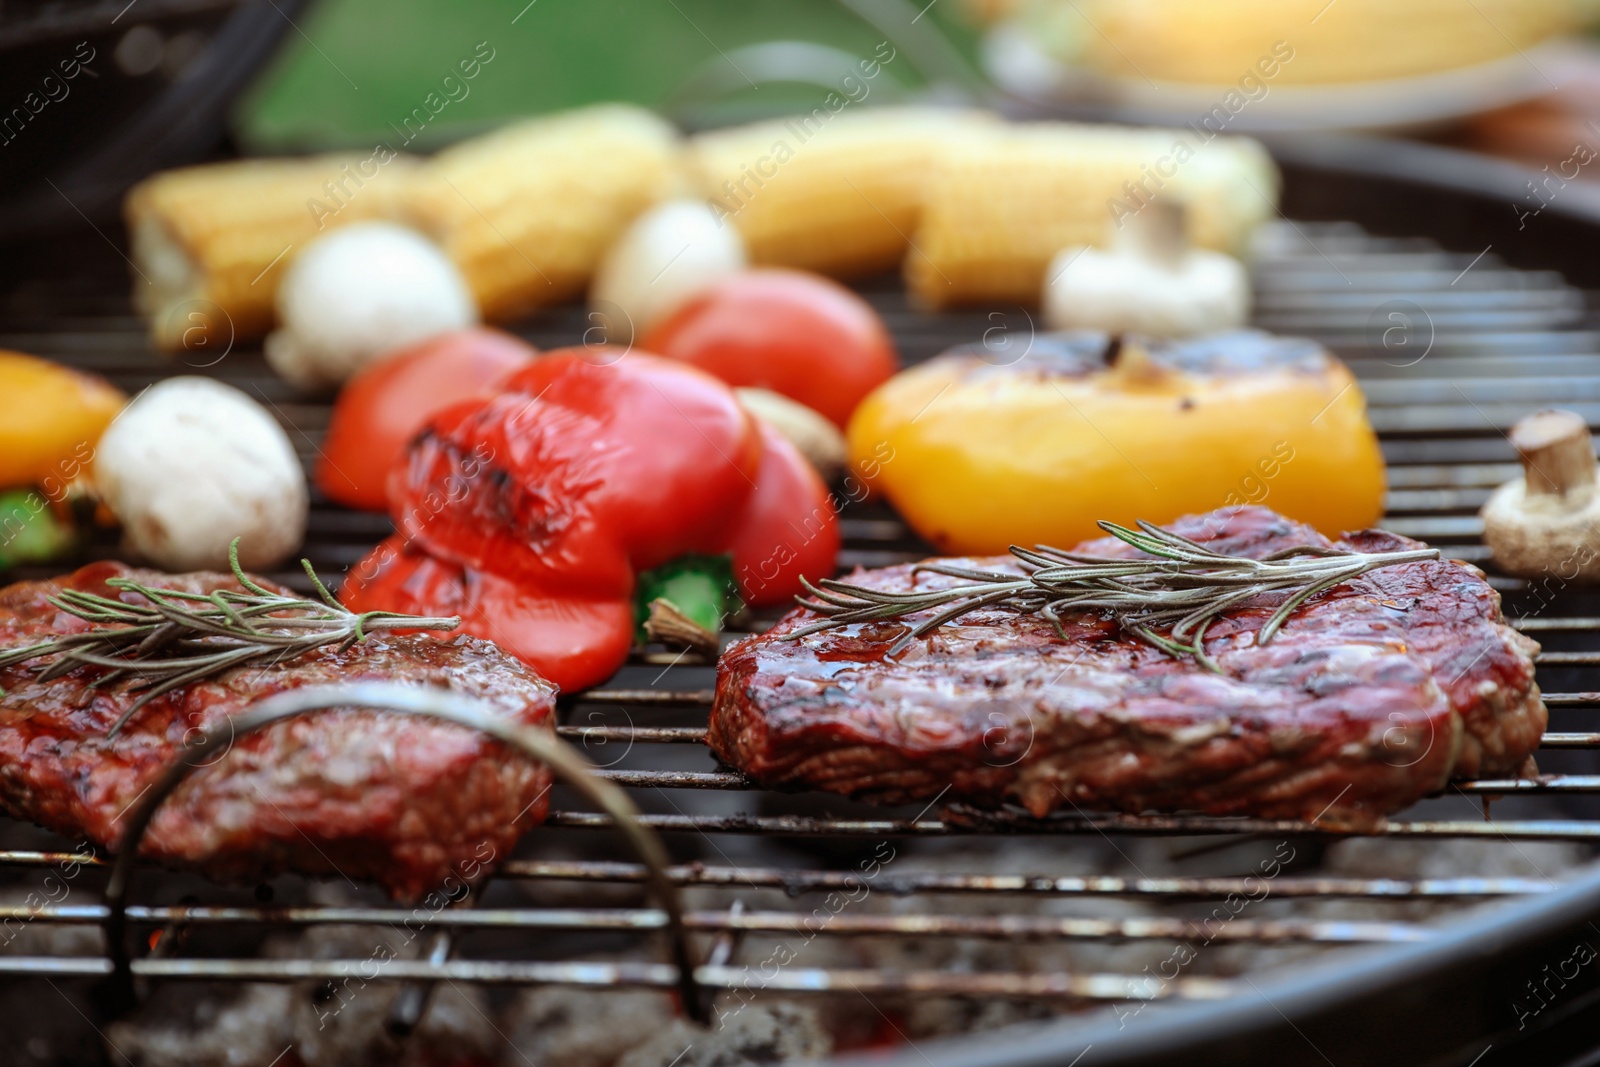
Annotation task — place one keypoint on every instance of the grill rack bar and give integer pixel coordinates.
(796, 881)
(1138, 825)
(702, 698)
(633, 920)
(1051, 986)
(1475, 554)
(1570, 784)
(696, 735)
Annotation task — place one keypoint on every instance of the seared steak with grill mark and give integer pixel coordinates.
(403, 801)
(1375, 694)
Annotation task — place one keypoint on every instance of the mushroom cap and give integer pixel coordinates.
(360, 293)
(1544, 535)
(668, 255)
(190, 464)
(813, 434)
(1123, 292)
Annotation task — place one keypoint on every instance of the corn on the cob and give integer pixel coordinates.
(211, 242)
(1217, 42)
(838, 193)
(526, 212)
(999, 208)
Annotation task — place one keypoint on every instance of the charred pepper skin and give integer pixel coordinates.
(584, 470)
(383, 406)
(992, 450)
(573, 640)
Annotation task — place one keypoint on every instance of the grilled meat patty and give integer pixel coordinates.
(406, 802)
(1374, 694)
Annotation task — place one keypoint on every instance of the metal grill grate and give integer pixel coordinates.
(1483, 345)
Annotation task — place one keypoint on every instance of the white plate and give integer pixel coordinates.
(1017, 64)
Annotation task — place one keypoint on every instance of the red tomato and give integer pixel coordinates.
(380, 409)
(575, 642)
(788, 527)
(798, 334)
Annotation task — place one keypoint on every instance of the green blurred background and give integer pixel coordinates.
(357, 66)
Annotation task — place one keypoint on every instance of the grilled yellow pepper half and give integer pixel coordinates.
(51, 417)
(979, 452)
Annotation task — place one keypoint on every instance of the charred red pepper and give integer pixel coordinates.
(786, 529)
(531, 513)
(380, 409)
(571, 639)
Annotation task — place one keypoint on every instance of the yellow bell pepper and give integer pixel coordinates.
(978, 456)
(50, 420)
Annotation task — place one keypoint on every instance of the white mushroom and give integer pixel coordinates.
(1149, 281)
(1547, 522)
(358, 294)
(813, 434)
(189, 465)
(669, 254)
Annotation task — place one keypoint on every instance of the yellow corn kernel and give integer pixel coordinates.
(839, 193)
(1000, 206)
(526, 212)
(211, 242)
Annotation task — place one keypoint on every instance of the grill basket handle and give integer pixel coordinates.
(433, 703)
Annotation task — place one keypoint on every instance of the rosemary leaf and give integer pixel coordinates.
(175, 638)
(1183, 588)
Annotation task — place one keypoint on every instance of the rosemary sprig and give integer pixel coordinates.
(176, 637)
(1183, 590)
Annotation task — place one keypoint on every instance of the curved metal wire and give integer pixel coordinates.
(432, 703)
(767, 63)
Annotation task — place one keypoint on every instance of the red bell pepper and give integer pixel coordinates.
(787, 528)
(574, 640)
(531, 513)
(383, 406)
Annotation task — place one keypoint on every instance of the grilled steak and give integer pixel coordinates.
(1374, 694)
(403, 801)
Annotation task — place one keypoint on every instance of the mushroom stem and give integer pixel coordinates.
(669, 625)
(1131, 363)
(1556, 451)
(1157, 231)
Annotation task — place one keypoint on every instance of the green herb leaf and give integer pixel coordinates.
(1183, 590)
(176, 638)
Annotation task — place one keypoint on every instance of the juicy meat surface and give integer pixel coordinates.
(1373, 695)
(407, 802)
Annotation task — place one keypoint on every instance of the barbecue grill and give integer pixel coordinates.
(1408, 262)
